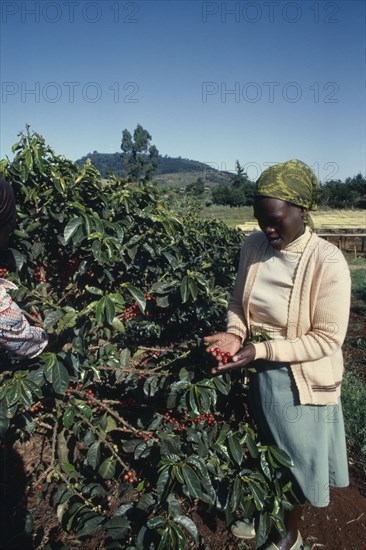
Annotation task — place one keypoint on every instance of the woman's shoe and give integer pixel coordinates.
(298, 545)
(243, 529)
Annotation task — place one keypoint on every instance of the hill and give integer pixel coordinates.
(174, 171)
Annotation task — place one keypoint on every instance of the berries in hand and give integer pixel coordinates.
(225, 356)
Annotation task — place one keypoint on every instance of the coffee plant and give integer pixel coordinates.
(138, 428)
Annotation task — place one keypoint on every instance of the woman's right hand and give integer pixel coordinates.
(225, 341)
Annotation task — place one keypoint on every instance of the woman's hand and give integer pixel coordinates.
(241, 359)
(225, 341)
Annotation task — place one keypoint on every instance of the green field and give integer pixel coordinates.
(323, 219)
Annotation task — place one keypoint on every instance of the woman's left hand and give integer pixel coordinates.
(241, 359)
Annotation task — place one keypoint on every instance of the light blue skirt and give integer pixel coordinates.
(313, 435)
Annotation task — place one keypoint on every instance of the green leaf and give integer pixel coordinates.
(111, 424)
(262, 529)
(188, 524)
(223, 386)
(108, 468)
(279, 523)
(193, 289)
(118, 325)
(109, 310)
(265, 466)
(93, 455)
(192, 482)
(24, 173)
(34, 388)
(252, 447)
(61, 509)
(163, 482)
(29, 160)
(94, 290)
(192, 400)
(68, 417)
(124, 358)
(52, 318)
(25, 396)
(281, 456)
(258, 495)
(184, 289)
(180, 538)
(165, 541)
(204, 477)
(99, 310)
(18, 257)
(13, 394)
(235, 448)
(236, 493)
(117, 527)
(71, 228)
(203, 398)
(137, 295)
(89, 524)
(60, 378)
(146, 502)
(156, 522)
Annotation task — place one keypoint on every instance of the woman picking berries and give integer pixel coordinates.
(296, 287)
(16, 334)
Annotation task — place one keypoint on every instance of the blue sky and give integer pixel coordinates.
(254, 81)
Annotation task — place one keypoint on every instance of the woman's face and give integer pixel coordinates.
(281, 222)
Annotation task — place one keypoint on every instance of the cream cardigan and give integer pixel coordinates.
(318, 316)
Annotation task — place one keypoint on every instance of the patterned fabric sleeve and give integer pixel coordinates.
(16, 334)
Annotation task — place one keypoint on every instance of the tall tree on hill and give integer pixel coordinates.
(140, 159)
(240, 178)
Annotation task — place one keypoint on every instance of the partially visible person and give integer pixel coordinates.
(16, 334)
(296, 287)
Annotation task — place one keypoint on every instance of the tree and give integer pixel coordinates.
(337, 194)
(140, 158)
(196, 188)
(240, 179)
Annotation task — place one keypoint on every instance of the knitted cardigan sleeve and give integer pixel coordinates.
(16, 334)
(236, 322)
(328, 298)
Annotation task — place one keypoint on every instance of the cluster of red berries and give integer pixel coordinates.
(88, 394)
(130, 477)
(39, 273)
(3, 271)
(71, 267)
(38, 487)
(132, 311)
(225, 356)
(36, 407)
(206, 417)
(145, 436)
(178, 426)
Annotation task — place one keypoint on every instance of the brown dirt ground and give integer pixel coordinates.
(340, 526)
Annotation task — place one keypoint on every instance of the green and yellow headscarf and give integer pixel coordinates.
(292, 181)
